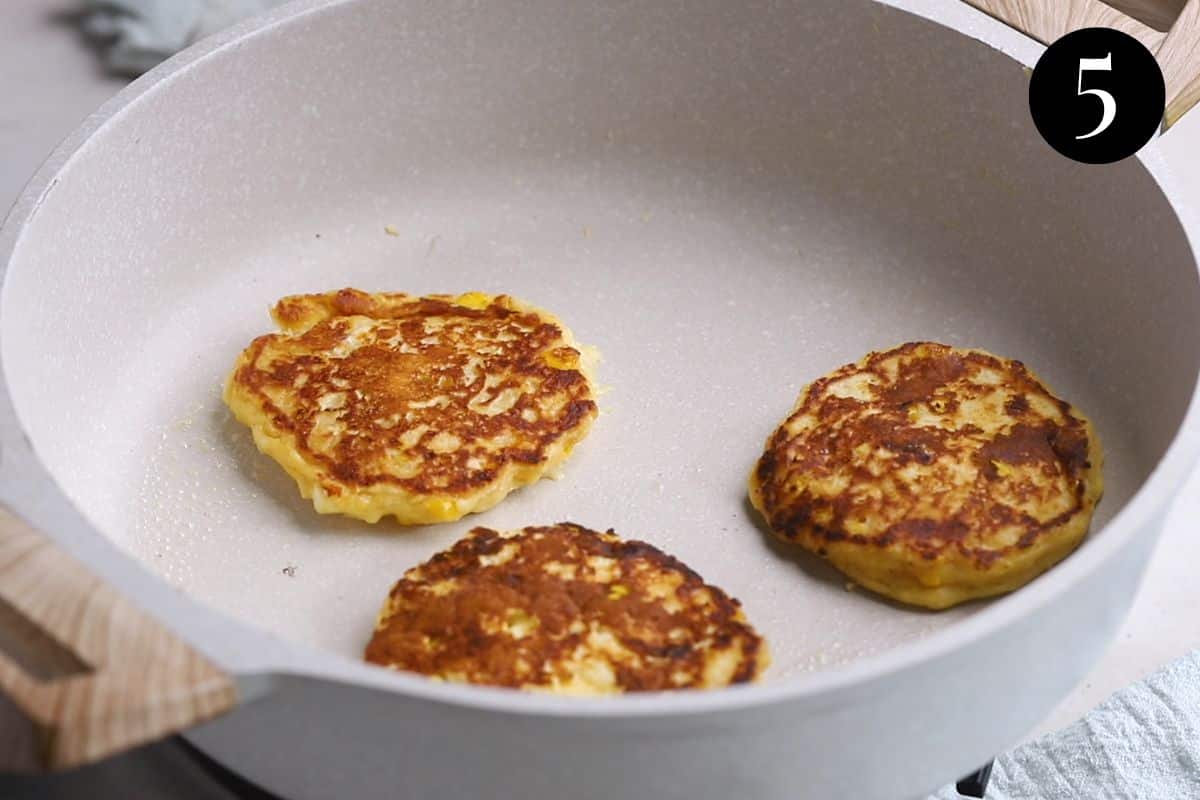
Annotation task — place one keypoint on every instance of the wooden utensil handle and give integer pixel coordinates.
(1179, 57)
(1177, 50)
(84, 673)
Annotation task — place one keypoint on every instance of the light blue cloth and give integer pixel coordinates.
(134, 35)
(1143, 743)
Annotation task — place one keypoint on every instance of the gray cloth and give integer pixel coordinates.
(134, 35)
(1143, 743)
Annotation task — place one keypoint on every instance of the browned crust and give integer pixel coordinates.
(1055, 449)
(454, 633)
(381, 381)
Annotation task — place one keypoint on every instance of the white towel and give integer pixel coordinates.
(1143, 743)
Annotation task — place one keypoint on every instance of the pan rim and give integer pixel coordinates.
(284, 661)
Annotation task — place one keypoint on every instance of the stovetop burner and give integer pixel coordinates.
(229, 780)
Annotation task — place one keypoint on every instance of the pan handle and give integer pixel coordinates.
(1177, 50)
(84, 674)
(1179, 57)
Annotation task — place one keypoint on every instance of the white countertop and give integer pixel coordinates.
(50, 81)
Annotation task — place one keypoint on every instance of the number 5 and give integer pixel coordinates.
(1109, 102)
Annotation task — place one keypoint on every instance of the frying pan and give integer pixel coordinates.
(728, 201)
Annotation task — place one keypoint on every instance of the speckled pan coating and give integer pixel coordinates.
(726, 199)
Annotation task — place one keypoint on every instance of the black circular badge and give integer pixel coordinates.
(1097, 95)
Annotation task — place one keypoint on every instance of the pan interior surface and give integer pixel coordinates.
(728, 201)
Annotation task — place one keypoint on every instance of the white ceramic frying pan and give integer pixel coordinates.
(728, 200)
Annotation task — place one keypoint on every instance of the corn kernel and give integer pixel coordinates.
(475, 300)
(561, 358)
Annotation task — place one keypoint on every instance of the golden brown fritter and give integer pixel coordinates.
(424, 408)
(564, 609)
(932, 475)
